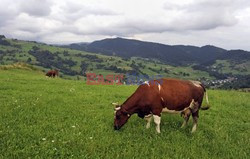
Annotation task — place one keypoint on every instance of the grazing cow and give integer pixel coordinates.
(164, 95)
(52, 73)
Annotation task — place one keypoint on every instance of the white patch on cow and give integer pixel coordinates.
(194, 128)
(159, 86)
(196, 83)
(157, 120)
(162, 99)
(147, 116)
(146, 82)
(166, 110)
(195, 120)
(192, 104)
(117, 108)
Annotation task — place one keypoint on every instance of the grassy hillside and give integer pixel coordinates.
(224, 66)
(172, 54)
(72, 63)
(57, 118)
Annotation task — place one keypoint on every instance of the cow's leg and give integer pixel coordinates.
(157, 120)
(148, 118)
(184, 124)
(195, 120)
(195, 115)
(185, 121)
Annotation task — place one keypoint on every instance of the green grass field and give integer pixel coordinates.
(57, 118)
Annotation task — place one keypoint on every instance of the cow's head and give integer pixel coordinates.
(121, 116)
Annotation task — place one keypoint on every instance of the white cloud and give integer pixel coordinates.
(35, 7)
(197, 22)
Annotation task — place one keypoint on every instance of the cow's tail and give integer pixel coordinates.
(207, 106)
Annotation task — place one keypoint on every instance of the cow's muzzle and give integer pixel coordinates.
(116, 127)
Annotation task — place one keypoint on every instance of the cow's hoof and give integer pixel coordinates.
(158, 131)
(193, 131)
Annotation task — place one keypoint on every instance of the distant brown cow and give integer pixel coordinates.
(52, 73)
(158, 96)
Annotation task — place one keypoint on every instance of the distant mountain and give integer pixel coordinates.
(172, 54)
(78, 46)
(236, 55)
(203, 54)
(130, 48)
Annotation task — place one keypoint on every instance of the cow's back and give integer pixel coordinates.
(177, 94)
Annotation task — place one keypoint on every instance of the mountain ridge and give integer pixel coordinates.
(171, 54)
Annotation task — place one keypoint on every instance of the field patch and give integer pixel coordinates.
(58, 118)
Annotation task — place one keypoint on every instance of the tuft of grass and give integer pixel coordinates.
(18, 65)
(57, 118)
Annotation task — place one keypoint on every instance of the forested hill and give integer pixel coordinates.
(172, 54)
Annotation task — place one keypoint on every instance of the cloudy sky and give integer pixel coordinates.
(224, 23)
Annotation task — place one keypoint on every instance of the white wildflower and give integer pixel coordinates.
(72, 90)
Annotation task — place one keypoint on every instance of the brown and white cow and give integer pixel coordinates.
(155, 97)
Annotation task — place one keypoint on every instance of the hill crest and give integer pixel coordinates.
(171, 54)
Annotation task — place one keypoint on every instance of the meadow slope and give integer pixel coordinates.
(74, 64)
(58, 118)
